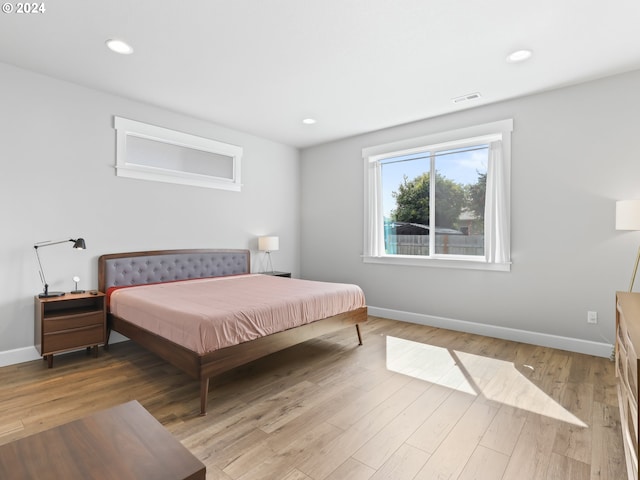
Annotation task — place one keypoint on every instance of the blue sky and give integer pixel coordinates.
(462, 167)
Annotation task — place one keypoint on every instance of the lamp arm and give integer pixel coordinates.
(48, 243)
(78, 244)
(41, 271)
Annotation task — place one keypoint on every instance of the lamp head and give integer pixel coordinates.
(79, 244)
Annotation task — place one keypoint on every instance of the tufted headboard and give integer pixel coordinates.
(140, 268)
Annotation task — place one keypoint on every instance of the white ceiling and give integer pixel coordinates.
(261, 66)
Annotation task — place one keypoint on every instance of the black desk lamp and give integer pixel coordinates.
(77, 244)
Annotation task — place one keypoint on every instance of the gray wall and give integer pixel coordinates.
(575, 151)
(57, 151)
(574, 154)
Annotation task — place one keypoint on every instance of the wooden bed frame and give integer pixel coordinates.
(203, 366)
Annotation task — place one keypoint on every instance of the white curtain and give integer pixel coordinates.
(496, 209)
(374, 228)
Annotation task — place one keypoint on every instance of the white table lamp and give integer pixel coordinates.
(268, 245)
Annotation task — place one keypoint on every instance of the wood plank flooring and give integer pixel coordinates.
(413, 403)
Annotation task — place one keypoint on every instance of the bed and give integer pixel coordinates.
(140, 285)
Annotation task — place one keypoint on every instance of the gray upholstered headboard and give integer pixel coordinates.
(140, 268)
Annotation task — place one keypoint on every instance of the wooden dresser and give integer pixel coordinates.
(627, 365)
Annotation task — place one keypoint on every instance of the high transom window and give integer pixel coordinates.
(149, 152)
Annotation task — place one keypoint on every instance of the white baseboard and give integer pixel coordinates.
(27, 354)
(18, 355)
(535, 338)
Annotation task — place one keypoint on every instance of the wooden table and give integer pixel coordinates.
(122, 443)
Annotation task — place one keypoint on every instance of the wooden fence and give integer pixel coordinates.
(445, 244)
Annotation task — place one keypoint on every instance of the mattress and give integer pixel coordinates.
(207, 314)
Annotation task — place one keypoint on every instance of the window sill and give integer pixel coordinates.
(414, 261)
(142, 172)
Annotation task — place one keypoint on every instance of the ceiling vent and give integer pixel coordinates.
(464, 98)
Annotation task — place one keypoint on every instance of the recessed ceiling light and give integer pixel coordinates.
(519, 56)
(309, 121)
(119, 46)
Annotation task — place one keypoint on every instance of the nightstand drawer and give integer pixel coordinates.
(81, 337)
(57, 324)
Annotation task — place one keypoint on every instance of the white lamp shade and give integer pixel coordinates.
(628, 215)
(268, 244)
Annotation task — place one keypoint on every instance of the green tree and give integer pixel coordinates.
(476, 195)
(413, 205)
(412, 200)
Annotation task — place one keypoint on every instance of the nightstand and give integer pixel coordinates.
(278, 274)
(70, 322)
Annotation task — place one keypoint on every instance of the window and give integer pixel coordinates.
(440, 200)
(154, 153)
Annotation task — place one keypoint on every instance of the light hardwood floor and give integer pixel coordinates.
(413, 402)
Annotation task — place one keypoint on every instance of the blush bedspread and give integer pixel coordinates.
(212, 313)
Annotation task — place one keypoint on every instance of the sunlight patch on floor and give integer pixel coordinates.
(491, 378)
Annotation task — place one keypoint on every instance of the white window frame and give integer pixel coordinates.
(127, 167)
(373, 251)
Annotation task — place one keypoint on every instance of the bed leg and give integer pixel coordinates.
(106, 340)
(204, 392)
(359, 335)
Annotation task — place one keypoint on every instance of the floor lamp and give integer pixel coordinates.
(77, 244)
(628, 218)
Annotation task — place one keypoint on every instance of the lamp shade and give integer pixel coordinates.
(628, 215)
(268, 244)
